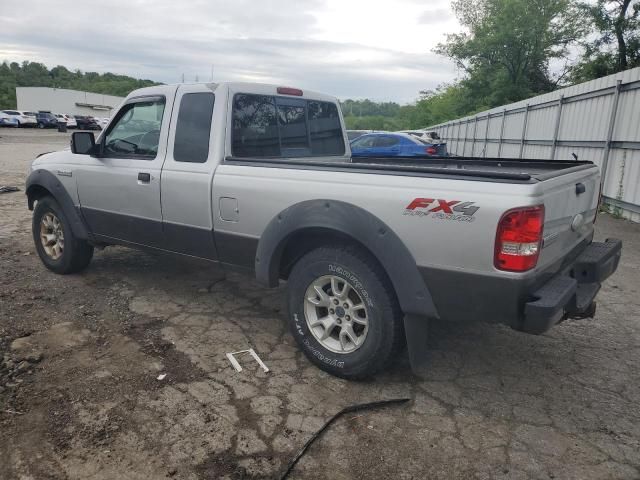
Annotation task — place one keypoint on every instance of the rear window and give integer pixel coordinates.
(325, 130)
(255, 127)
(267, 126)
(193, 128)
(11, 112)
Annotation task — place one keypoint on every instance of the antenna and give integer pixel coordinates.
(183, 78)
(212, 73)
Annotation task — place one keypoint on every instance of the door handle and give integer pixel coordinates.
(144, 177)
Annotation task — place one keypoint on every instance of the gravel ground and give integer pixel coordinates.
(80, 356)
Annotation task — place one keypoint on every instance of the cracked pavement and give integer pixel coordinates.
(494, 403)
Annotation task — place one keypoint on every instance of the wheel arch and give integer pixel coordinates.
(42, 183)
(307, 225)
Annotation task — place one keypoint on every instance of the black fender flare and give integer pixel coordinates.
(354, 222)
(43, 179)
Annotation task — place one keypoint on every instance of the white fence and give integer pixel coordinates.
(597, 120)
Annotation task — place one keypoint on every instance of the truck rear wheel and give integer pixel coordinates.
(59, 249)
(343, 312)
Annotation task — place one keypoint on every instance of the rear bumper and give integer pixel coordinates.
(571, 293)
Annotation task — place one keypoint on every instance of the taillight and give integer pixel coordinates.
(431, 150)
(519, 239)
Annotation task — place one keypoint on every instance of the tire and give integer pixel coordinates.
(378, 328)
(70, 256)
(41, 125)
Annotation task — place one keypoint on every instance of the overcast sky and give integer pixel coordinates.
(347, 48)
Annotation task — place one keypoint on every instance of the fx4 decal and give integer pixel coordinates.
(442, 209)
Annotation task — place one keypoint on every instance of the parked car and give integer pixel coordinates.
(25, 119)
(71, 120)
(371, 252)
(386, 144)
(353, 134)
(85, 122)
(7, 120)
(67, 119)
(98, 121)
(46, 120)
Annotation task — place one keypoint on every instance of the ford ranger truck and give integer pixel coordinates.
(260, 177)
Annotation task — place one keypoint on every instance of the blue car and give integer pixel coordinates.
(383, 144)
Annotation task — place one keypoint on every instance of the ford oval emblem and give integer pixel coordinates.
(577, 222)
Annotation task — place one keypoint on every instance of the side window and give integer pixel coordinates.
(325, 130)
(386, 141)
(254, 126)
(364, 142)
(193, 128)
(135, 132)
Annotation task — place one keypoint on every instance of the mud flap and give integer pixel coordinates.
(417, 331)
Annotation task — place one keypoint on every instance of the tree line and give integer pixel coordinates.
(33, 74)
(515, 49)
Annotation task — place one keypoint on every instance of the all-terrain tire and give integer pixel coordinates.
(76, 253)
(384, 338)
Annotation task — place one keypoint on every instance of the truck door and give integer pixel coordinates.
(119, 190)
(187, 174)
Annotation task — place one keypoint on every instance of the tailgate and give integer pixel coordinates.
(570, 203)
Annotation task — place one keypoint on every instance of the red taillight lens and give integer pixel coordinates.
(431, 150)
(290, 91)
(519, 239)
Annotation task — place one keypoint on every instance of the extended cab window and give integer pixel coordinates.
(193, 128)
(266, 126)
(135, 133)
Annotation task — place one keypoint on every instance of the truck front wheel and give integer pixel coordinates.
(343, 312)
(58, 248)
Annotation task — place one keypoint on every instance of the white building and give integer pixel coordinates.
(60, 100)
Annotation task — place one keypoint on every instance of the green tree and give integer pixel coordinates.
(33, 74)
(616, 46)
(506, 52)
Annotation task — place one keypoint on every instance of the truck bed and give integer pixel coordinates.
(505, 169)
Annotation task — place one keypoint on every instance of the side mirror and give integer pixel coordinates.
(83, 143)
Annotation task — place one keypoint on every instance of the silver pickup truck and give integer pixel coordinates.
(260, 177)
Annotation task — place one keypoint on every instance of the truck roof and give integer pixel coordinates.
(236, 87)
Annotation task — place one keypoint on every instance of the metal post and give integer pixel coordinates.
(556, 129)
(524, 129)
(464, 142)
(504, 114)
(486, 134)
(473, 143)
(612, 122)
